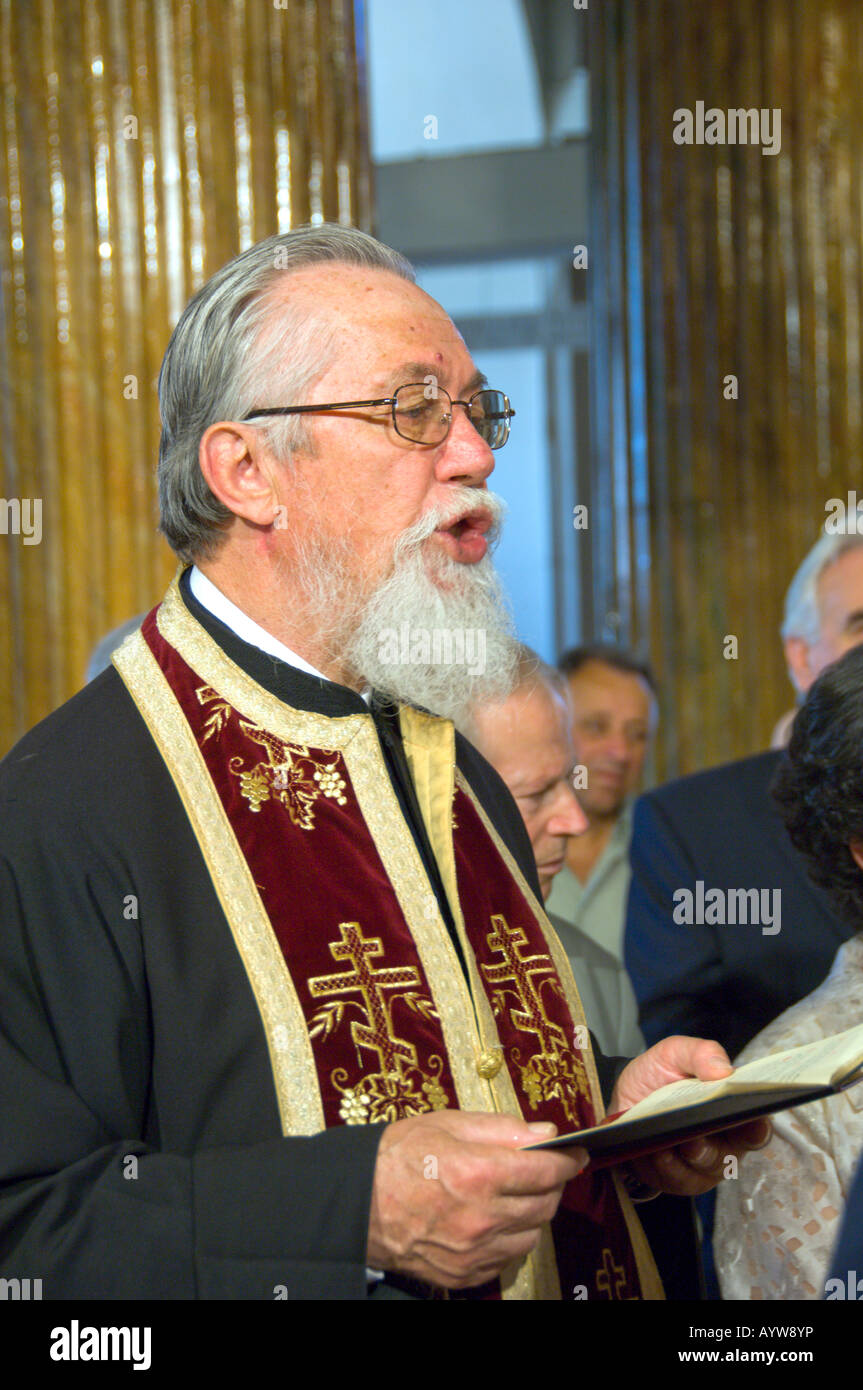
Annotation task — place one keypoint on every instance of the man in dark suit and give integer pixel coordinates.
(724, 959)
(715, 980)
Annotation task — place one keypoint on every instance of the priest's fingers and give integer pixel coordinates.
(509, 1130)
(707, 1154)
(701, 1164)
(675, 1058)
(455, 1200)
(437, 1264)
(538, 1170)
(469, 1244)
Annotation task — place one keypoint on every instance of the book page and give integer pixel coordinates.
(813, 1064)
(673, 1097)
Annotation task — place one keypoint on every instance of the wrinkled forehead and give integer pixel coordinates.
(541, 736)
(533, 718)
(381, 323)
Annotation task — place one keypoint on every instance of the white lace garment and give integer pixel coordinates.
(778, 1221)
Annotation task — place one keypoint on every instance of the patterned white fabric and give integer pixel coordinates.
(778, 1221)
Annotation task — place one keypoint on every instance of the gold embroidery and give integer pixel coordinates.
(555, 1072)
(603, 1277)
(400, 1088)
(292, 1059)
(283, 775)
(218, 716)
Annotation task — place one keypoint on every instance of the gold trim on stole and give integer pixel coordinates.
(651, 1284)
(294, 1072)
(429, 744)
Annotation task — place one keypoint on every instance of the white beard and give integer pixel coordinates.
(445, 645)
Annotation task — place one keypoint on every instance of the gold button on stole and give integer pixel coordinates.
(489, 1063)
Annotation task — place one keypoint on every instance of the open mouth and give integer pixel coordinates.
(465, 537)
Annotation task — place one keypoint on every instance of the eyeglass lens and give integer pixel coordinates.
(422, 413)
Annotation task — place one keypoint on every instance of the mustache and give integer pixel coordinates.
(461, 502)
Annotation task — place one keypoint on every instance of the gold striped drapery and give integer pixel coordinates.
(710, 261)
(143, 143)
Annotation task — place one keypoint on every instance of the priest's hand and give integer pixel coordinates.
(699, 1164)
(456, 1197)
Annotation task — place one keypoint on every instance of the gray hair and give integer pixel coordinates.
(802, 618)
(531, 673)
(233, 349)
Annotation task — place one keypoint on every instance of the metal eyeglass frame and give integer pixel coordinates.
(506, 414)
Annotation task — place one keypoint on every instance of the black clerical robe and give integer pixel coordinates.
(141, 1151)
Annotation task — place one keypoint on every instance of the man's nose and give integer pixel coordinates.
(465, 456)
(617, 747)
(567, 817)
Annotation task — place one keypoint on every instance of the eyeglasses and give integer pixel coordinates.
(422, 413)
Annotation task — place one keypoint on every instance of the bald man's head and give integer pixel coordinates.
(526, 738)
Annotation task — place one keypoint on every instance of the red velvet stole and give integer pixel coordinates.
(547, 1067)
(378, 1045)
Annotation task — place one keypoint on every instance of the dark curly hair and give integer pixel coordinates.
(819, 784)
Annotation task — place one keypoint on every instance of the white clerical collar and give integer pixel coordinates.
(245, 628)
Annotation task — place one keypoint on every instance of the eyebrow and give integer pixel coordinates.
(854, 618)
(418, 371)
(565, 776)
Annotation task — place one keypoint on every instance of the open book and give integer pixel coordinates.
(687, 1109)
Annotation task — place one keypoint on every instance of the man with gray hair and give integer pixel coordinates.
(823, 615)
(279, 1012)
(527, 738)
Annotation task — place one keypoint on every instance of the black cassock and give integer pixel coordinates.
(141, 1154)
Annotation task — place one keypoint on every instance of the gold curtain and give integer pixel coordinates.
(143, 143)
(712, 261)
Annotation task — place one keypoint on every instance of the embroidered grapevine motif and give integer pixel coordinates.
(289, 773)
(399, 1087)
(554, 1072)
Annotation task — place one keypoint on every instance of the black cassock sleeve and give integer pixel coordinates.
(95, 1211)
(141, 1154)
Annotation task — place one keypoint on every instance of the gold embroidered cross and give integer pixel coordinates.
(376, 1033)
(522, 971)
(603, 1278)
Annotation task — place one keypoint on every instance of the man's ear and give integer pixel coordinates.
(797, 659)
(240, 471)
(856, 848)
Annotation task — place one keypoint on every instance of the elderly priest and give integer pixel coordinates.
(279, 1007)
